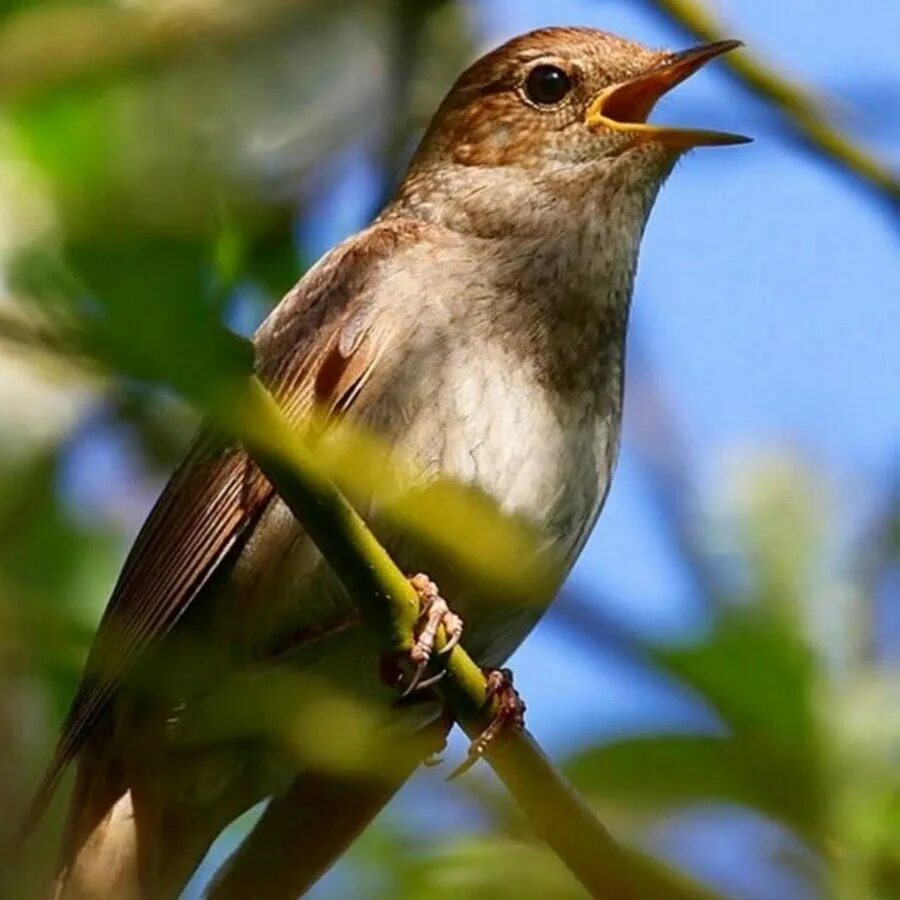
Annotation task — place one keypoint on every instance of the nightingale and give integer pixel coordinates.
(478, 327)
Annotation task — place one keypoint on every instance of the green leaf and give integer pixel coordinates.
(761, 680)
(146, 314)
(54, 573)
(755, 673)
(658, 772)
(272, 258)
(662, 770)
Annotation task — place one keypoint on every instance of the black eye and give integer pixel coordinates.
(547, 85)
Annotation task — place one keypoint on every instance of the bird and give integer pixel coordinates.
(478, 327)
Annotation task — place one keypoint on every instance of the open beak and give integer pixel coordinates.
(625, 107)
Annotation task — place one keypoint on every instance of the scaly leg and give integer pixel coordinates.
(509, 718)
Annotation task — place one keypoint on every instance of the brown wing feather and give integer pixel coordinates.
(315, 346)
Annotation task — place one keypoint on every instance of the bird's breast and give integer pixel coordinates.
(486, 417)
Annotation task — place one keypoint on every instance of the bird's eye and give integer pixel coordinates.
(547, 85)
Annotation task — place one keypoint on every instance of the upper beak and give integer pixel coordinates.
(625, 107)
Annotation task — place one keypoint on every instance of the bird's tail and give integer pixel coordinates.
(304, 831)
(99, 850)
(300, 836)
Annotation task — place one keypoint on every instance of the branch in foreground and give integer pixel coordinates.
(388, 603)
(807, 120)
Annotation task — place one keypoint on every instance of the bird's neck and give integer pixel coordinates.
(561, 247)
(580, 225)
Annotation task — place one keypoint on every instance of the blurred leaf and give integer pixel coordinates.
(47, 44)
(756, 674)
(761, 680)
(163, 425)
(71, 137)
(146, 315)
(662, 770)
(272, 260)
(52, 605)
(488, 867)
(55, 572)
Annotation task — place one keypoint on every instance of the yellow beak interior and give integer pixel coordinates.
(626, 107)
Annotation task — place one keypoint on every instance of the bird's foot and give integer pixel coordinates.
(435, 614)
(508, 719)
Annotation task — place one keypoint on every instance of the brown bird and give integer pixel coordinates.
(478, 326)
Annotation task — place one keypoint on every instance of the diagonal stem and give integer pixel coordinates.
(388, 603)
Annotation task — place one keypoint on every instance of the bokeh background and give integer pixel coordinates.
(720, 676)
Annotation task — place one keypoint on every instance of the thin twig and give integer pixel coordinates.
(803, 112)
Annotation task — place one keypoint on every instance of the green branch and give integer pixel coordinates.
(388, 603)
(803, 112)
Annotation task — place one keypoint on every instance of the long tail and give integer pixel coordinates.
(299, 837)
(304, 831)
(99, 851)
(90, 798)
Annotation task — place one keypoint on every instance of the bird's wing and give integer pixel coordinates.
(321, 343)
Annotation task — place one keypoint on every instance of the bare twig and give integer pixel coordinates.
(804, 116)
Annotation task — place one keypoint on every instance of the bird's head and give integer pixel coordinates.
(564, 96)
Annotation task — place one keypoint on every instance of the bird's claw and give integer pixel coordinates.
(418, 683)
(435, 614)
(508, 719)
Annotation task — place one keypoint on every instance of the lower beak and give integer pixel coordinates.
(625, 107)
